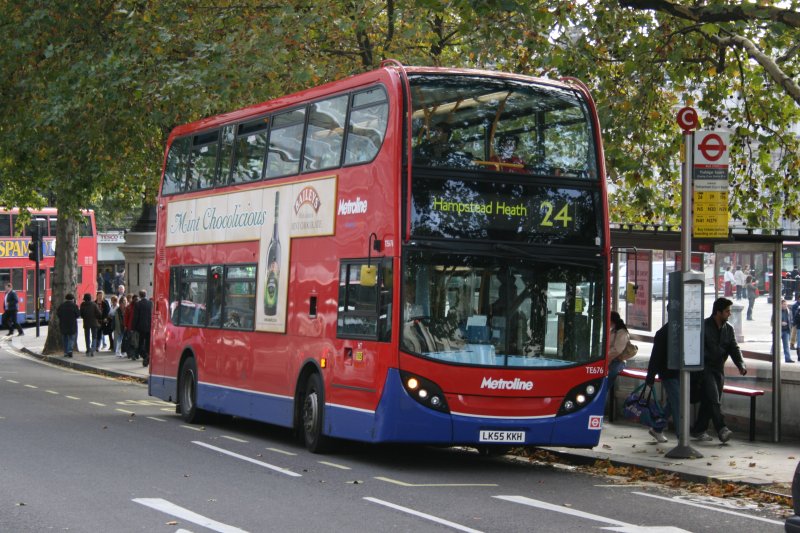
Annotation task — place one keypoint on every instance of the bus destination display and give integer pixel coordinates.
(521, 213)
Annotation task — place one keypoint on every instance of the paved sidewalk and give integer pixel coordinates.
(757, 463)
(105, 362)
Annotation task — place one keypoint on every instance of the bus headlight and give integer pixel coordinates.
(579, 397)
(424, 391)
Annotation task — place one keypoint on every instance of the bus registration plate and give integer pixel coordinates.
(502, 436)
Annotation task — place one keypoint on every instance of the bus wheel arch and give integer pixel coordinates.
(187, 389)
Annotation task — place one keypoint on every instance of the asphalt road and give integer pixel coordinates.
(84, 453)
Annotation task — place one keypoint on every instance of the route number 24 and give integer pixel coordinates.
(562, 216)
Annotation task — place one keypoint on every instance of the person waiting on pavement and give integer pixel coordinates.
(719, 342)
(618, 341)
(10, 310)
(68, 314)
(670, 380)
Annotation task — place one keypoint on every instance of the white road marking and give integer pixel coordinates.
(404, 484)
(98, 404)
(156, 419)
(73, 397)
(710, 508)
(193, 428)
(185, 514)
(32, 386)
(334, 465)
(52, 392)
(619, 526)
(284, 452)
(12, 381)
(234, 439)
(248, 459)
(125, 411)
(426, 516)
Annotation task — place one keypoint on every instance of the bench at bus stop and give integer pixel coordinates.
(637, 373)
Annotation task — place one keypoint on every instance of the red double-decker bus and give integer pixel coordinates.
(19, 270)
(412, 254)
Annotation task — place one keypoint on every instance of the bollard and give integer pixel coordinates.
(736, 320)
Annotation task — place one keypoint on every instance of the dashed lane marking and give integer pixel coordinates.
(98, 404)
(618, 525)
(530, 502)
(709, 508)
(334, 465)
(32, 386)
(248, 459)
(72, 397)
(125, 411)
(53, 392)
(12, 381)
(420, 514)
(284, 452)
(156, 419)
(404, 484)
(171, 509)
(193, 428)
(234, 439)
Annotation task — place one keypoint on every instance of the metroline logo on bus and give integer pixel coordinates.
(506, 384)
(710, 173)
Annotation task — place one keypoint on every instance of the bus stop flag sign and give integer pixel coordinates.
(711, 157)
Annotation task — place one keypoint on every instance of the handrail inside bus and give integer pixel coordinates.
(407, 89)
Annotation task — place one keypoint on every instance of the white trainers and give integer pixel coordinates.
(658, 435)
(704, 437)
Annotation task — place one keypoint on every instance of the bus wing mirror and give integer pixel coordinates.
(369, 276)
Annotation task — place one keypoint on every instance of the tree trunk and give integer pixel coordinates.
(65, 276)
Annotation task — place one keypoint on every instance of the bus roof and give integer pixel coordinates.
(389, 71)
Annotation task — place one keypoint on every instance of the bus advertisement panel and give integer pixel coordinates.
(269, 215)
(408, 255)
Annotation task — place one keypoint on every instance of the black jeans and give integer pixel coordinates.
(10, 318)
(711, 402)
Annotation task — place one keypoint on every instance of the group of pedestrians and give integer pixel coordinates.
(719, 343)
(127, 325)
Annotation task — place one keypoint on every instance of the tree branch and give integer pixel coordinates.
(775, 72)
(718, 13)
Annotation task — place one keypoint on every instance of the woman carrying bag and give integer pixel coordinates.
(620, 347)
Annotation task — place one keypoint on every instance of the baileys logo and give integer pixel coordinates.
(310, 196)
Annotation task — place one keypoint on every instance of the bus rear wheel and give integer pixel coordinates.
(187, 394)
(313, 414)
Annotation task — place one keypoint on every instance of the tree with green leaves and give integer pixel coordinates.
(89, 93)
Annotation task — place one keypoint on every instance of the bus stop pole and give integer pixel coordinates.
(683, 450)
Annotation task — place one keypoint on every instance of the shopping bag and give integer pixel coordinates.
(630, 351)
(642, 406)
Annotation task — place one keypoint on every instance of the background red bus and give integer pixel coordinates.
(15, 267)
(367, 260)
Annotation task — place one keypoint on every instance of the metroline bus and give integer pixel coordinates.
(365, 260)
(17, 268)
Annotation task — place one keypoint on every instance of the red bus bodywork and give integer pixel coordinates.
(15, 266)
(265, 375)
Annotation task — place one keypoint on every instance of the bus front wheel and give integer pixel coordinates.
(188, 392)
(313, 407)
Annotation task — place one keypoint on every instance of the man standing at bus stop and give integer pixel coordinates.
(719, 342)
(10, 310)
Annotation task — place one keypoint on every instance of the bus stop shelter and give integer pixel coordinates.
(763, 252)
